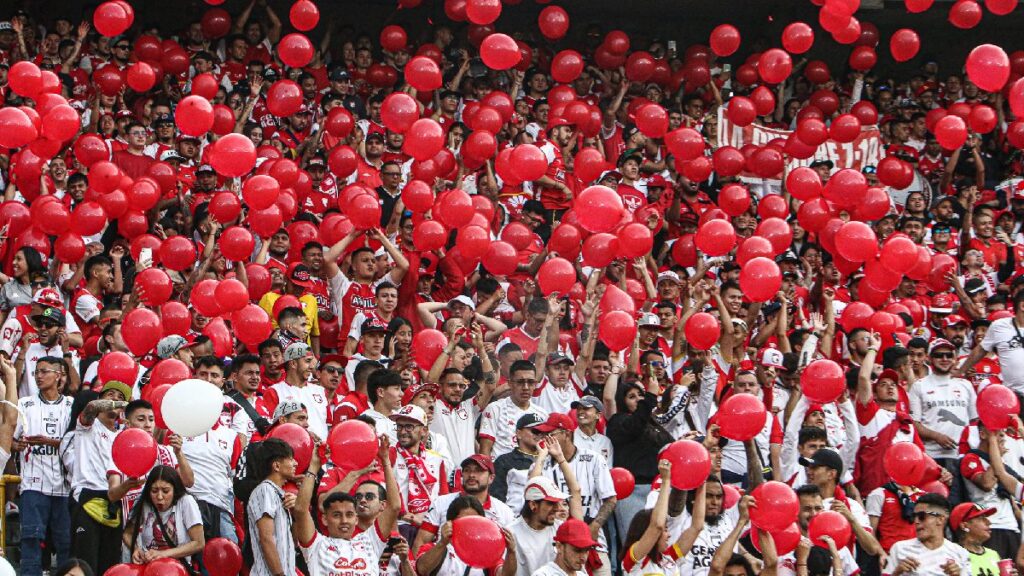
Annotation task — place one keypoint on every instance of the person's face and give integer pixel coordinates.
(979, 529)
(807, 449)
(299, 418)
(460, 359)
(819, 475)
(330, 375)
(363, 264)
(48, 337)
(522, 384)
(886, 390)
(586, 416)
(714, 497)
(929, 521)
(917, 357)
(373, 344)
(212, 374)
(142, 419)
(563, 135)
(545, 512)
(746, 384)
(368, 502)
(340, 520)
(272, 358)
(534, 322)
(942, 360)
(694, 108)
(409, 432)
(733, 300)
(247, 379)
(313, 258)
(539, 83)
(161, 494)
(572, 557)
(559, 373)
(955, 334)
(599, 371)
(475, 479)
(631, 169)
(392, 396)
(810, 506)
(633, 398)
(983, 225)
(453, 386)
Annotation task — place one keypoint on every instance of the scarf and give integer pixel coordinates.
(906, 503)
(421, 481)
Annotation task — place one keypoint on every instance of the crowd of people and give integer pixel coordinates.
(460, 301)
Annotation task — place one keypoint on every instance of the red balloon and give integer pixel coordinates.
(25, 78)
(141, 330)
(635, 240)
(863, 58)
(50, 217)
(237, 244)
(69, 247)
(501, 258)
(354, 443)
(639, 66)
(716, 237)
(483, 12)
(685, 143)
(304, 15)
(176, 318)
(233, 155)
(997, 405)
(298, 438)
(760, 279)
(774, 66)
(804, 183)
(165, 567)
(988, 67)
(427, 345)
(797, 38)
(113, 18)
(741, 417)
(822, 381)
(134, 452)
(1001, 7)
(499, 52)
(965, 14)
(284, 98)
(899, 254)
(785, 540)
(617, 330)
(203, 298)
(856, 242)
(232, 295)
(215, 23)
(904, 44)
(598, 208)
(691, 463)
(778, 232)
(117, 366)
(424, 139)
(553, 22)
(221, 556)
(777, 506)
(917, 6)
(16, 128)
(623, 481)
(652, 120)
(725, 40)
(423, 74)
(194, 116)
(156, 286)
(904, 463)
(478, 541)
(741, 111)
(393, 38)
(702, 330)
(429, 235)
(856, 315)
(831, 524)
(177, 253)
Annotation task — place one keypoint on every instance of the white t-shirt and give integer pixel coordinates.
(457, 423)
(1008, 343)
(494, 509)
(499, 424)
(945, 405)
(929, 561)
(41, 469)
(177, 519)
(360, 556)
(534, 548)
(313, 397)
(91, 473)
(552, 569)
(558, 400)
(697, 561)
(35, 351)
(598, 443)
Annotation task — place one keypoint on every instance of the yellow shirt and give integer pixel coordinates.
(309, 308)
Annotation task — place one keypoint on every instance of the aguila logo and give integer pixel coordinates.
(346, 564)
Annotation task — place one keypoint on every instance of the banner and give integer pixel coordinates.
(865, 150)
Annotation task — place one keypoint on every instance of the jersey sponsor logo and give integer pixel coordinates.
(346, 564)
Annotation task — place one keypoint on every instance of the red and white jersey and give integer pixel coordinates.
(665, 566)
(18, 324)
(360, 556)
(419, 490)
(558, 400)
(349, 297)
(235, 417)
(457, 424)
(86, 309)
(519, 337)
(40, 465)
(633, 198)
(213, 457)
(312, 396)
(499, 424)
(554, 198)
(873, 420)
(164, 457)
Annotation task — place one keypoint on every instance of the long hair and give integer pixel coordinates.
(157, 474)
(33, 261)
(637, 526)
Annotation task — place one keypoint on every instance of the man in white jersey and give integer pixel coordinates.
(299, 365)
(213, 457)
(49, 340)
(454, 416)
(342, 551)
(95, 525)
(44, 493)
(588, 412)
(929, 554)
(498, 425)
(573, 545)
(942, 405)
(536, 527)
(717, 526)
(477, 475)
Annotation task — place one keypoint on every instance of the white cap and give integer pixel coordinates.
(463, 299)
(669, 275)
(411, 412)
(649, 319)
(543, 488)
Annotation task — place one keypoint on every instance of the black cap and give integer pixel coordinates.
(824, 457)
(529, 420)
(828, 163)
(338, 74)
(163, 119)
(558, 358)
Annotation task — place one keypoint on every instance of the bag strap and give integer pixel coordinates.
(261, 423)
(170, 541)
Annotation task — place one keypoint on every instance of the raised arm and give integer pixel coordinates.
(659, 516)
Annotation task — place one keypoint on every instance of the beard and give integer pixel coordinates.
(712, 519)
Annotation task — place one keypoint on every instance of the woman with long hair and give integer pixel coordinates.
(17, 291)
(166, 522)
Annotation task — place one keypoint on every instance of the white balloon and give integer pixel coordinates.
(191, 407)
(5, 567)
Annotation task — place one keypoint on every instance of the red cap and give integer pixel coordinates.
(967, 511)
(414, 390)
(953, 320)
(481, 460)
(575, 532)
(286, 301)
(556, 121)
(889, 374)
(554, 422)
(657, 181)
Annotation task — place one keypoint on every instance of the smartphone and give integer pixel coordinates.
(146, 257)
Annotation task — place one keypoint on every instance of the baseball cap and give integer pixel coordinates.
(630, 155)
(529, 420)
(543, 488)
(6, 25)
(769, 356)
(556, 121)
(554, 422)
(649, 319)
(417, 389)
(338, 74)
(558, 358)
(787, 256)
(316, 161)
(576, 533)
(480, 460)
(374, 324)
(967, 511)
(889, 374)
(828, 163)
(670, 276)
(375, 136)
(940, 343)
(953, 320)
(299, 274)
(163, 119)
(974, 286)
(171, 155)
(411, 412)
(1018, 191)
(588, 402)
(824, 457)
(48, 297)
(287, 408)
(205, 168)
(610, 173)
(169, 345)
(942, 303)
(657, 181)
(296, 351)
(50, 315)
(462, 299)
(121, 387)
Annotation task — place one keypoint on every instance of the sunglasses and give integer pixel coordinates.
(922, 516)
(369, 496)
(333, 369)
(943, 355)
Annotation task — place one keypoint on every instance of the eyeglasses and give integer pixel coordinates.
(406, 425)
(42, 371)
(945, 355)
(922, 516)
(369, 496)
(658, 364)
(333, 369)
